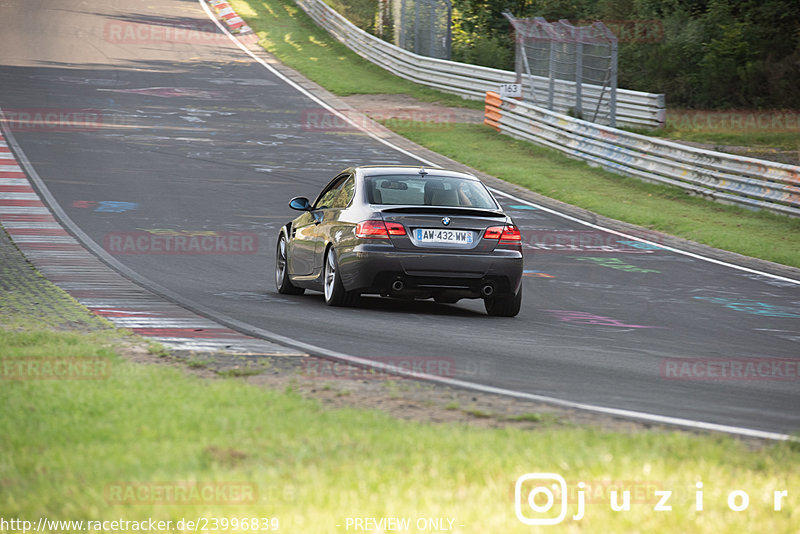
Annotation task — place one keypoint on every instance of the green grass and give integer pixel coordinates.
(526, 417)
(735, 128)
(157, 349)
(65, 443)
(50, 344)
(477, 413)
(785, 141)
(197, 364)
(289, 34)
(233, 373)
(28, 301)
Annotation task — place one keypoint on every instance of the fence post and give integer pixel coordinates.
(579, 74)
(416, 27)
(449, 33)
(402, 41)
(552, 74)
(612, 107)
(432, 35)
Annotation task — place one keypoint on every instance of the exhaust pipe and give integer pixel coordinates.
(487, 290)
(398, 285)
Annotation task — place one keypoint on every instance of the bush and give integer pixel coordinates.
(490, 51)
(362, 13)
(715, 53)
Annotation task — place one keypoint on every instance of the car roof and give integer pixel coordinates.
(410, 170)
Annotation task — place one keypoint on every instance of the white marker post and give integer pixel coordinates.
(513, 90)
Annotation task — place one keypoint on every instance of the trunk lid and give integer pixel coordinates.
(444, 229)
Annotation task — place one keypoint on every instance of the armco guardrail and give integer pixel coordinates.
(634, 108)
(724, 177)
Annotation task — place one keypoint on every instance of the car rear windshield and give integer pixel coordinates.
(405, 190)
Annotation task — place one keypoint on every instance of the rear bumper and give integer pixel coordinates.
(373, 268)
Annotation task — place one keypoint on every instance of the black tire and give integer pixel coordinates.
(333, 289)
(504, 306)
(282, 282)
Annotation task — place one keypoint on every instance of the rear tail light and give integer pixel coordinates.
(508, 234)
(379, 229)
(511, 235)
(493, 232)
(395, 228)
(372, 230)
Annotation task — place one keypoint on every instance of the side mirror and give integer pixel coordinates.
(300, 204)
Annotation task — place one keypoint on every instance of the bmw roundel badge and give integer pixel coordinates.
(446, 221)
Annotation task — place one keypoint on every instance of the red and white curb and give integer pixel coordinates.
(234, 22)
(67, 264)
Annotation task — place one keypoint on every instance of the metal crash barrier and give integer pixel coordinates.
(633, 108)
(727, 178)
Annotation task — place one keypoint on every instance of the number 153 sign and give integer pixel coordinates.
(510, 90)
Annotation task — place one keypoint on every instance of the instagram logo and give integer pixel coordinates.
(538, 491)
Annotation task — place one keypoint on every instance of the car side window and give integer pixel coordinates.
(345, 194)
(328, 196)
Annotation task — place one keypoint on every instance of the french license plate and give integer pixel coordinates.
(435, 235)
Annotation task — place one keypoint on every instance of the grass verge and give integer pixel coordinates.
(759, 129)
(760, 141)
(126, 445)
(290, 35)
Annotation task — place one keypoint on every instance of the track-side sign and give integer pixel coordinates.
(510, 90)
